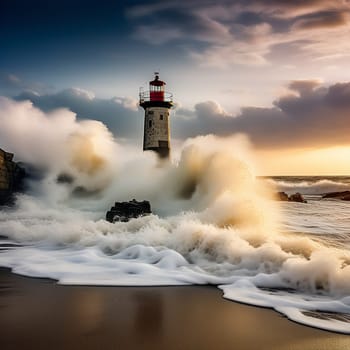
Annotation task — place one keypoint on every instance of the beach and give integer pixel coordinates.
(40, 314)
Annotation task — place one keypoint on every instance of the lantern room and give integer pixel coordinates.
(156, 96)
(156, 89)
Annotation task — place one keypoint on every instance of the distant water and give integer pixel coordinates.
(327, 220)
(303, 271)
(311, 185)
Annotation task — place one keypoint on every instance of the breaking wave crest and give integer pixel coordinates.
(213, 221)
(312, 186)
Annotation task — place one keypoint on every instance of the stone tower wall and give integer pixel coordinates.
(156, 128)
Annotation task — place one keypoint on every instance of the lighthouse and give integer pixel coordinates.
(157, 104)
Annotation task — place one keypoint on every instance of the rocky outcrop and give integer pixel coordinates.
(124, 211)
(296, 197)
(11, 177)
(282, 196)
(343, 195)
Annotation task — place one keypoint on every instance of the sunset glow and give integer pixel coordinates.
(320, 161)
(274, 70)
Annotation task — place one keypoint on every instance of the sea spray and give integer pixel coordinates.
(213, 222)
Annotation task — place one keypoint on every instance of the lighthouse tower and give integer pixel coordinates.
(157, 104)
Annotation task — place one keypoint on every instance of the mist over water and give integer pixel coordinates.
(214, 221)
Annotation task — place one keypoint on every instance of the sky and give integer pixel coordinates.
(275, 70)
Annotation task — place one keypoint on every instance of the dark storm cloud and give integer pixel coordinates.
(220, 33)
(179, 23)
(322, 20)
(119, 114)
(52, 38)
(310, 115)
(310, 5)
(339, 95)
(245, 12)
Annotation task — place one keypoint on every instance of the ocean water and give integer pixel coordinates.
(303, 272)
(214, 221)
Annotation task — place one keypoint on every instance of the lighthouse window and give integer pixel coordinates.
(161, 117)
(150, 123)
(150, 112)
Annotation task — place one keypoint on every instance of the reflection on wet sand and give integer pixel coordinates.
(148, 313)
(38, 314)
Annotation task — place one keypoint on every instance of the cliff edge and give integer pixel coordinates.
(11, 177)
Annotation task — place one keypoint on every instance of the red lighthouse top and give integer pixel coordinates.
(156, 88)
(156, 96)
(156, 81)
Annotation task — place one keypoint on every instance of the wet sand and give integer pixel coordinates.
(39, 314)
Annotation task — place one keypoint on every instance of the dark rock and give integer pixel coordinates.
(282, 196)
(346, 197)
(124, 211)
(11, 177)
(343, 195)
(297, 197)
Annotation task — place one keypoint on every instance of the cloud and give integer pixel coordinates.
(156, 34)
(11, 84)
(118, 113)
(339, 95)
(295, 8)
(169, 24)
(304, 87)
(11, 80)
(225, 32)
(309, 115)
(329, 19)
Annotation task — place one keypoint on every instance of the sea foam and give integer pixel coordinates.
(214, 222)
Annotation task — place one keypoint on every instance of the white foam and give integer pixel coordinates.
(215, 223)
(182, 250)
(292, 305)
